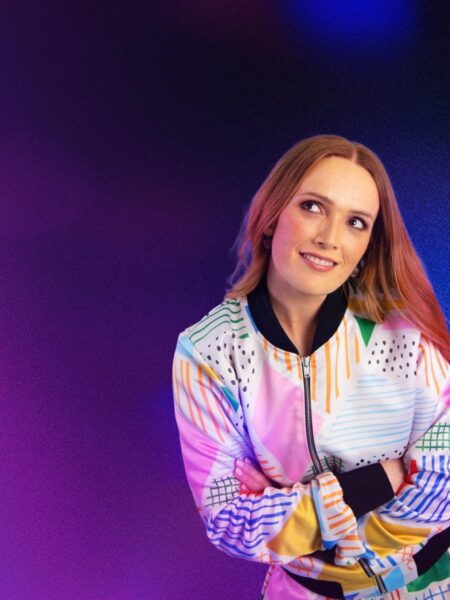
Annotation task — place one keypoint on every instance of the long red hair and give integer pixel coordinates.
(392, 274)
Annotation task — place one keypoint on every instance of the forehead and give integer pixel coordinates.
(343, 182)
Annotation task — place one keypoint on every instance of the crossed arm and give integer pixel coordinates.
(253, 480)
(284, 523)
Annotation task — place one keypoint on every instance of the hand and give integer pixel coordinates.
(251, 478)
(396, 472)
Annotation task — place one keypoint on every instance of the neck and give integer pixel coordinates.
(296, 312)
(291, 307)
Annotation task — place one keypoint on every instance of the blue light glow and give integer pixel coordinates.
(368, 23)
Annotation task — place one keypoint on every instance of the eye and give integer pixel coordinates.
(360, 224)
(310, 203)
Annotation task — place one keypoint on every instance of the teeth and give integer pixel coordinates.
(319, 261)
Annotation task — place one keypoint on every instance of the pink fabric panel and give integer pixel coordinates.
(280, 408)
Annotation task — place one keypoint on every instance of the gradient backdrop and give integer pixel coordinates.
(132, 138)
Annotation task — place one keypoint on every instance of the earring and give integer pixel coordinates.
(358, 268)
(267, 241)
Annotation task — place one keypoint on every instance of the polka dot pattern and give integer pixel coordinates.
(393, 356)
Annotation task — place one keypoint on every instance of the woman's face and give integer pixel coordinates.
(325, 229)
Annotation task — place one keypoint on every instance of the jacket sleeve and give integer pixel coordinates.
(276, 525)
(420, 510)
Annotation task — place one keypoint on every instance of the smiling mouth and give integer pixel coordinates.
(318, 261)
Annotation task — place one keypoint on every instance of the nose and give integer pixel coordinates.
(327, 235)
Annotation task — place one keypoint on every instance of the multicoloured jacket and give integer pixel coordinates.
(319, 427)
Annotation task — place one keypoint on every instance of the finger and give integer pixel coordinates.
(248, 481)
(242, 476)
(256, 476)
(251, 475)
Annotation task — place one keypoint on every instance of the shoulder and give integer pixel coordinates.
(397, 349)
(396, 345)
(228, 320)
(396, 314)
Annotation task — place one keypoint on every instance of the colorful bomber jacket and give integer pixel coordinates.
(319, 427)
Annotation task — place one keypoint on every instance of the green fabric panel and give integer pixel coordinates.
(438, 572)
(366, 326)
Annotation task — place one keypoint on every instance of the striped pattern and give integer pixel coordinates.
(376, 414)
(432, 367)
(362, 412)
(342, 347)
(228, 314)
(270, 470)
(337, 521)
(338, 359)
(197, 396)
(242, 528)
(428, 500)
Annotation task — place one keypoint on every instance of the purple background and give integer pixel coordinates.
(132, 138)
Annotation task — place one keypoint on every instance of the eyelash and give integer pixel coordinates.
(364, 224)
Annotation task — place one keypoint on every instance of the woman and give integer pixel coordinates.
(312, 403)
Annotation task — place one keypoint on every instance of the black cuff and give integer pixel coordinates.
(366, 488)
(432, 551)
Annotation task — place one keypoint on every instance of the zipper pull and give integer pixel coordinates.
(306, 367)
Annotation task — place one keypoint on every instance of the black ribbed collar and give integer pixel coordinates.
(329, 317)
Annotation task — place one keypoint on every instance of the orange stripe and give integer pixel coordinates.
(202, 387)
(275, 353)
(356, 349)
(314, 376)
(341, 531)
(347, 361)
(332, 495)
(188, 383)
(328, 371)
(327, 483)
(439, 361)
(339, 515)
(299, 368)
(266, 344)
(175, 385)
(436, 385)
(341, 522)
(219, 405)
(183, 384)
(425, 363)
(336, 362)
(287, 359)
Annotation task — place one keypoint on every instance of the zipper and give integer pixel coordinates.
(317, 467)
(368, 571)
(306, 369)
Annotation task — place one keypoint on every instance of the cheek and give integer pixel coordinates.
(356, 248)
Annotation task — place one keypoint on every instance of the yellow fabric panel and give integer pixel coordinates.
(300, 534)
(384, 537)
(351, 578)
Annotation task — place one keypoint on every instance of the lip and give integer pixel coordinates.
(320, 256)
(314, 266)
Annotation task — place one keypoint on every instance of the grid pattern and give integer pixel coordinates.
(328, 463)
(406, 555)
(436, 438)
(441, 594)
(222, 491)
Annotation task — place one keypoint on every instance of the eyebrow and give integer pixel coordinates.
(329, 201)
